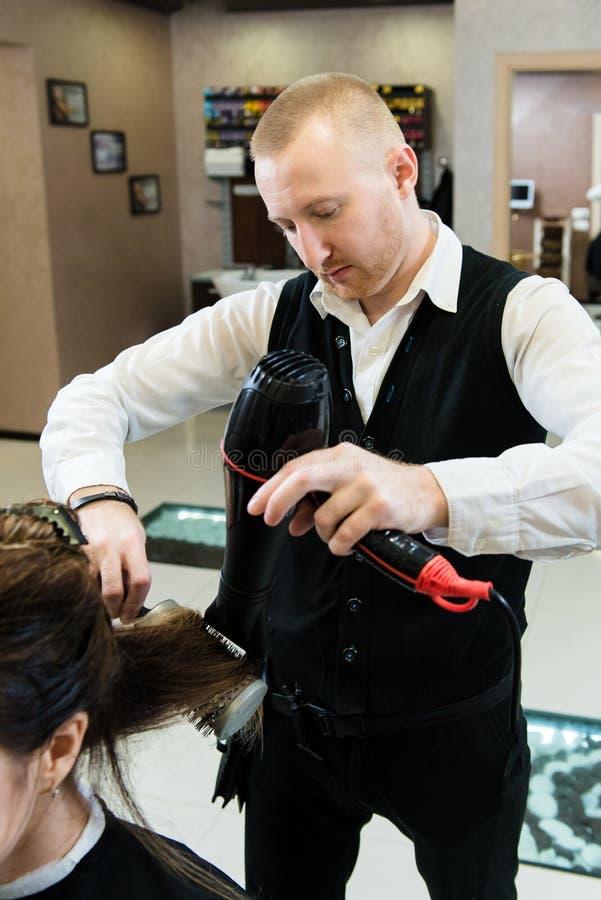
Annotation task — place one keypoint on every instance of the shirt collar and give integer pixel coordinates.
(39, 880)
(438, 277)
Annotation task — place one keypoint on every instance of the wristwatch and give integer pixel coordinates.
(120, 496)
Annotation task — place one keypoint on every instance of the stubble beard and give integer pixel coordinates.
(372, 275)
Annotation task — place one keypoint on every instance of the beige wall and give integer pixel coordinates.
(483, 29)
(210, 47)
(115, 278)
(29, 372)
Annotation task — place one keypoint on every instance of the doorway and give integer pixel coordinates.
(508, 67)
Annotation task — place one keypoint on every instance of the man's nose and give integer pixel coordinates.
(313, 249)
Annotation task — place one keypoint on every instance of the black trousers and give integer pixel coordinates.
(457, 790)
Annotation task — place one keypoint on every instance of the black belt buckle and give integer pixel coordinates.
(333, 726)
(302, 719)
(326, 723)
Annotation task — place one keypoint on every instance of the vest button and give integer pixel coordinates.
(340, 341)
(349, 654)
(369, 442)
(357, 557)
(347, 395)
(354, 604)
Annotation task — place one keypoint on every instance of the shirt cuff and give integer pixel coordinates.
(480, 520)
(86, 471)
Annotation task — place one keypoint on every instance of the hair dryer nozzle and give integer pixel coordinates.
(282, 411)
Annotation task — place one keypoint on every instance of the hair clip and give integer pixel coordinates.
(55, 513)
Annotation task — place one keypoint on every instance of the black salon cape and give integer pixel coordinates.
(119, 868)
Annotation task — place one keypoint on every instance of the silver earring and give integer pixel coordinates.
(55, 792)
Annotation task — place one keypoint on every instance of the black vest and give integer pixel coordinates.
(347, 637)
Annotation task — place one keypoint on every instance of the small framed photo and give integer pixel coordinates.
(144, 194)
(67, 102)
(108, 151)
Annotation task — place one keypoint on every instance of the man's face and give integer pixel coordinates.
(344, 219)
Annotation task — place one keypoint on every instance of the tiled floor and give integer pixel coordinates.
(173, 771)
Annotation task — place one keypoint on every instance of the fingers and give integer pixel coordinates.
(349, 533)
(316, 471)
(117, 552)
(111, 583)
(343, 477)
(364, 491)
(353, 510)
(124, 578)
(137, 587)
(302, 521)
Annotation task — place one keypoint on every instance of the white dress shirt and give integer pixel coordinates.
(533, 500)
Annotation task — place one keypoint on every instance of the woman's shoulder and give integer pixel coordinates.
(120, 867)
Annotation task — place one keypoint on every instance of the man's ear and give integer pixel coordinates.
(61, 752)
(402, 164)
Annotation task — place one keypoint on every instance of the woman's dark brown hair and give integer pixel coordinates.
(60, 654)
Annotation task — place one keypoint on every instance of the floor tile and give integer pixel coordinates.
(572, 585)
(535, 883)
(176, 763)
(223, 845)
(385, 870)
(561, 664)
(186, 584)
(534, 588)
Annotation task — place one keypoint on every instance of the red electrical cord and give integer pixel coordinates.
(437, 578)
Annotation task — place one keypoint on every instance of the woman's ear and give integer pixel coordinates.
(61, 752)
(402, 164)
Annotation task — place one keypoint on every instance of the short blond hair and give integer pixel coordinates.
(356, 110)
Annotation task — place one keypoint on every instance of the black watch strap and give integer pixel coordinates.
(120, 496)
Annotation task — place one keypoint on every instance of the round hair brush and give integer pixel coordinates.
(217, 686)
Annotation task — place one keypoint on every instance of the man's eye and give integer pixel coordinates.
(326, 213)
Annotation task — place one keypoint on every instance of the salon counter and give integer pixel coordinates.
(210, 286)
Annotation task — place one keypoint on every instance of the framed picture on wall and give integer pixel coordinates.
(108, 151)
(67, 102)
(144, 194)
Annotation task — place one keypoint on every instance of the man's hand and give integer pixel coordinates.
(367, 492)
(117, 552)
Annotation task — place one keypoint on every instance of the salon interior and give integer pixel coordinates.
(128, 203)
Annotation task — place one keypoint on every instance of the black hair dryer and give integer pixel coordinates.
(282, 411)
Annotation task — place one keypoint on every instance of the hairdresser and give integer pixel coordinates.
(70, 687)
(448, 368)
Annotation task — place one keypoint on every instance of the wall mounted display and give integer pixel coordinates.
(108, 151)
(67, 102)
(144, 194)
